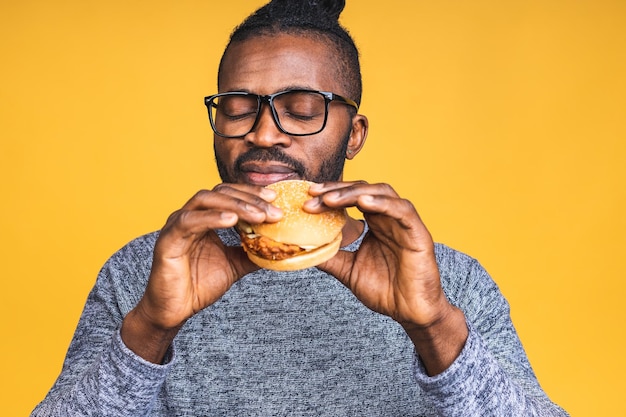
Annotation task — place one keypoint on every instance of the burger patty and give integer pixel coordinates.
(267, 248)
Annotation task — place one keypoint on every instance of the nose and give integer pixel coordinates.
(266, 133)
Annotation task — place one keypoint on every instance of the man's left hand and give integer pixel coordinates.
(394, 272)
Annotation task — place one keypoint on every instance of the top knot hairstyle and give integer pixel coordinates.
(318, 19)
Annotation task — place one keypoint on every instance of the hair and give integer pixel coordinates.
(318, 19)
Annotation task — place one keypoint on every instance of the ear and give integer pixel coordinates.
(357, 135)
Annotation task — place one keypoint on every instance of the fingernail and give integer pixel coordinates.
(313, 203)
(268, 194)
(254, 209)
(367, 199)
(333, 195)
(228, 216)
(275, 211)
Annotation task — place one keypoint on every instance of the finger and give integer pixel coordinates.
(185, 228)
(340, 266)
(379, 203)
(238, 190)
(251, 207)
(341, 195)
(242, 265)
(254, 197)
(320, 188)
(186, 223)
(406, 229)
(246, 192)
(399, 209)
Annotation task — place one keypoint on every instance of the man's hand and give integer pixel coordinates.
(394, 272)
(192, 268)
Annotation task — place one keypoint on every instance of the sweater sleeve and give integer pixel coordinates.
(492, 376)
(118, 383)
(100, 375)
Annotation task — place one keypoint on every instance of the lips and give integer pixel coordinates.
(267, 172)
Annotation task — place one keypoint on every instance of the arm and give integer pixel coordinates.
(120, 354)
(395, 272)
(98, 368)
(492, 367)
(192, 268)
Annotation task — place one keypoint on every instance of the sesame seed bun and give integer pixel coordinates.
(318, 235)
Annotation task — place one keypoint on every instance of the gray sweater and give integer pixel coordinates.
(292, 344)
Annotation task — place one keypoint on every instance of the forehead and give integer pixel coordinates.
(267, 64)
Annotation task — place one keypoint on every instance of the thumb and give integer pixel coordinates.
(340, 266)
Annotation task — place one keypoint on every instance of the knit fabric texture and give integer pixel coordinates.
(292, 344)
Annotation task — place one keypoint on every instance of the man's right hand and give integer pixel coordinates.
(191, 267)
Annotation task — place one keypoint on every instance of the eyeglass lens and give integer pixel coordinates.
(296, 112)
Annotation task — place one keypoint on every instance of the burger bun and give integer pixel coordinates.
(319, 234)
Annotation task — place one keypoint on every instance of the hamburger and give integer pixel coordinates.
(299, 240)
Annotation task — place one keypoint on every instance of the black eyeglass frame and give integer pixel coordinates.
(269, 99)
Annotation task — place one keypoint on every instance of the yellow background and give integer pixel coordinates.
(503, 121)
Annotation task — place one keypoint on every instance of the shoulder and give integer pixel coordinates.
(125, 274)
(135, 253)
(466, 282)
(452, 259)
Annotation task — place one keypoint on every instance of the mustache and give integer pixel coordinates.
(273, 154)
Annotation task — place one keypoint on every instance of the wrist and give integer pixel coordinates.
(439, 343)
(146, 339)
(431, 324)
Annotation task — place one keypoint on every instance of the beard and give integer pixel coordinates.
(330, 170)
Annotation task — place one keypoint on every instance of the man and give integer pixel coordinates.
(182, 323)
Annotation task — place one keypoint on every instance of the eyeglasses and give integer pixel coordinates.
(296, 112)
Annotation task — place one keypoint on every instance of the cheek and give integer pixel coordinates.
(322, 151)
(335, 135)
(225, 150)
(314, 151)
